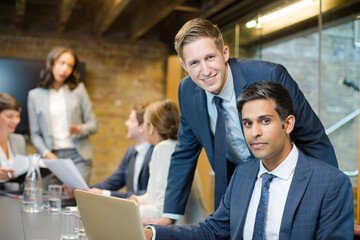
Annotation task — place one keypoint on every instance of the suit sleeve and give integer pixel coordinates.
(35, 132)
(118, 179)
(309, 134)
(182, 166)
(337, 212)
(89, 120)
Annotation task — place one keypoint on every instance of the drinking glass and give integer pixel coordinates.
(55, 199)
(69, 225)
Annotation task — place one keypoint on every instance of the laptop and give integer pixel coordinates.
(109, 217)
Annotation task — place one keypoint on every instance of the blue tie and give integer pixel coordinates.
(260, 221)
(220, 153)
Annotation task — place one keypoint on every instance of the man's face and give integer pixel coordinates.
(206, 64)
(134, 130)
(263, 131)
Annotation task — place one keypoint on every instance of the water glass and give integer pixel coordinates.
(55, 199)
(81, 230)
(69, 225)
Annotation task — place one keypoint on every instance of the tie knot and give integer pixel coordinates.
(266, 179)
(218, 102)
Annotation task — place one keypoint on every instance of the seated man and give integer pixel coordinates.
(286, 194)
(133, 171)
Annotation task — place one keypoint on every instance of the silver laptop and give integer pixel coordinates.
(108, 217)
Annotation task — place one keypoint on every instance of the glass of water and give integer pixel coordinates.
(69, 225)
(55, 199)
(81, 230)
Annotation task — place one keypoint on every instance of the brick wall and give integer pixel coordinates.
(118, 74)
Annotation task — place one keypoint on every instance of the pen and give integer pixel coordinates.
(9, 174)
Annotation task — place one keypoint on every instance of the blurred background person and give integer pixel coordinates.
(133, 170)
(11, 143)
(60, 113)
(161, 124)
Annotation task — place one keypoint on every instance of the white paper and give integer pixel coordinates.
(20, 165)
(67, 172)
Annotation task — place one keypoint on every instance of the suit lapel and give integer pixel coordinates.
(203, 123)
(68, 102)
(300, 181)
(44, 105)
(13, 144)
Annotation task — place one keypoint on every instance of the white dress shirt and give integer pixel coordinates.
(278, 191)
(236, 148)
(58, 119)
(4, 161)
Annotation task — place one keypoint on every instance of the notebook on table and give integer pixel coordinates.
(110, 218)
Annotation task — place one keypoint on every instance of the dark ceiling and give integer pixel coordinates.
(157, 20)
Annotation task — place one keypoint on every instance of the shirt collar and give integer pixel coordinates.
(228, 89)
(285, 169)
(142, 148)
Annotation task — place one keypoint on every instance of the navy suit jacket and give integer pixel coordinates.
(195, 134)
(118, 179)
(319, 205)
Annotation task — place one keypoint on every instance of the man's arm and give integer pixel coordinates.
(337, 212)
(309, 134)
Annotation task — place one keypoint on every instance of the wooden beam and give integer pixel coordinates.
(66, 8)
(107, 14)
(19, 13)
(213, 7)
(186, 8)
(149, 14)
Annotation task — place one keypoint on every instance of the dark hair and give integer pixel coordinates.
(164, 116)
(268, 90)
(139, 109)
(195, 29)
(46, 76)
(8, 102)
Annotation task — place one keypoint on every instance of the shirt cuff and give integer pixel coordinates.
(172, 216)
(153, 230)
(106, 193)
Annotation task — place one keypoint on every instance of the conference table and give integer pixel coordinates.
(17, 225)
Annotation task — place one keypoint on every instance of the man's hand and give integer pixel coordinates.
(69, 191)
(74, 129)
(50, 155)
(148, 233)
(161, 221)
(132, 199)
(96, 190)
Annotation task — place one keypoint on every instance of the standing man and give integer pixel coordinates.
(133, 171)
(284, 195)
(208, 115)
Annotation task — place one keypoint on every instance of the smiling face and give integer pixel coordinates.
(206, 64)
(134, 129)
(266, 136)
(63, 67)
(9, 119)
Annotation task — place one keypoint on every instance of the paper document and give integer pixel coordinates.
(21, 164)
(67, 172)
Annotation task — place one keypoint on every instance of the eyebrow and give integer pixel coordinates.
(260, 117)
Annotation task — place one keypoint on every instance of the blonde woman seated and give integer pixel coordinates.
(161, 122)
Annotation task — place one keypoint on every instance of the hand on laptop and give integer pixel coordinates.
(160, 221)
(96, 190)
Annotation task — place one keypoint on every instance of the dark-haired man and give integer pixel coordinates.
(284, 195)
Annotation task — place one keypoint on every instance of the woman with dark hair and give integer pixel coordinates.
(60, 112)
(11, 143)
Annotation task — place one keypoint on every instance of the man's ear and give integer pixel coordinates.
(226, 53)
(183, 65)
(142, 128)
(289, 124)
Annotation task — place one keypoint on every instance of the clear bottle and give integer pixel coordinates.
(32, 197)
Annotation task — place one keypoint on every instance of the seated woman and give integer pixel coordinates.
(11, 143)
(161, 125)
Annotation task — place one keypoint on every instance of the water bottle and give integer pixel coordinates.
(32, 197)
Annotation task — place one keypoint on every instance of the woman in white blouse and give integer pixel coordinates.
(161, 122)
(11, 143)
(60, 112)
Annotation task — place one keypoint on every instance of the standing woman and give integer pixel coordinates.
(60, 112)
(11, 143)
